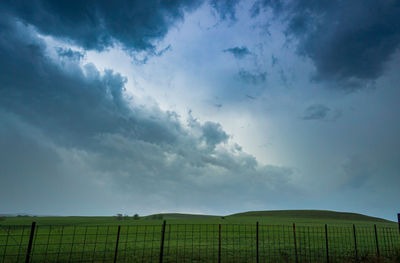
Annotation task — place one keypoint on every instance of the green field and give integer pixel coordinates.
(195, 238)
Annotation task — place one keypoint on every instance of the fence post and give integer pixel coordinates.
(219, 244)
(398, 220)
(376, 241)
(257, 252)
(327, 244)
(116, 244)
(28, 251)
(162, 241)
(355, 242)
(295, 243)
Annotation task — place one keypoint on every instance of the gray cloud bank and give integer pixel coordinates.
(72, 143)
(99, 24)
(348, 41)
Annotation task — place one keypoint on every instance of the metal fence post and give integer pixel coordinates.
(376, 241)
(28, 251)
(162, 241)
(355, 242)
(219, 244)
(398, 221)
(257, 252)
(116, 244)
(327, 244)
(295, 243)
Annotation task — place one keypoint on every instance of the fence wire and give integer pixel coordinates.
(198, 243)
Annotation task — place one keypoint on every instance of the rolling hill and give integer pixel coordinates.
(313, 214)
(307, 217)
(278, 216)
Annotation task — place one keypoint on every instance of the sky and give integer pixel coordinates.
(204, 106)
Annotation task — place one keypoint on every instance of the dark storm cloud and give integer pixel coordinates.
(45, 90)
(98, 24)
(73, 125)
(348, 41)
(213, 134)
(320, 112)
(238, 52)
(82, 102)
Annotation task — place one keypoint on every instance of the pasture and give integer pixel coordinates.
(317, 236)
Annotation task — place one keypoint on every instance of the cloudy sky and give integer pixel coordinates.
(205, 106)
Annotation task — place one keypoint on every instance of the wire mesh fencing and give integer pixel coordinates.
(198, 243)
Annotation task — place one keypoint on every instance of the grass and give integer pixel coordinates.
(194, 238)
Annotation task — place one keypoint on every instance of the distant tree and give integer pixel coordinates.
(2, 218)
(136, 217)
(126, 216)
(222, 217)
(119, 216)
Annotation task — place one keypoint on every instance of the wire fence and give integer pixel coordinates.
(198, 243)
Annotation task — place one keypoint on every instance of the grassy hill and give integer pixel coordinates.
(174, 216)
(305, 217)
(309, 217)
(312, 214)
